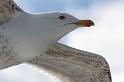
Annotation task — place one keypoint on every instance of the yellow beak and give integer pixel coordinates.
(83, 23)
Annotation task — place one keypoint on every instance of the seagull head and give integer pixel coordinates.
(63, 23)
(68, 19)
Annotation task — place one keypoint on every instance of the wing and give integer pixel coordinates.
(7, 59)
(72, 65)
(8, 9)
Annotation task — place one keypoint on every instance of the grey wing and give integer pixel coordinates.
(72, 65)
(8, 9)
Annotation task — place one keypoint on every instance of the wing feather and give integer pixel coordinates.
(72, 65)
(7, 57)
(8, 9)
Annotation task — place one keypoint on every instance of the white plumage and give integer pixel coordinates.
(32, 38)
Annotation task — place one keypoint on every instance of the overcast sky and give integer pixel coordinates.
(106, 38)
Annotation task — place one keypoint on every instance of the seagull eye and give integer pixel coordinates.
(62, 17)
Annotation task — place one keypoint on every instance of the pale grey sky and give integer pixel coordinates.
(106, 38)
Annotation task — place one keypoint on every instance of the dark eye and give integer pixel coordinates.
(62, 17)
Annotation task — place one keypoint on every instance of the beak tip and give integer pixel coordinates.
(91, 23)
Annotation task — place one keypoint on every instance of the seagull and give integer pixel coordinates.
(32, 38)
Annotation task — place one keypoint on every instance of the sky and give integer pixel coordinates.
(106, 38)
